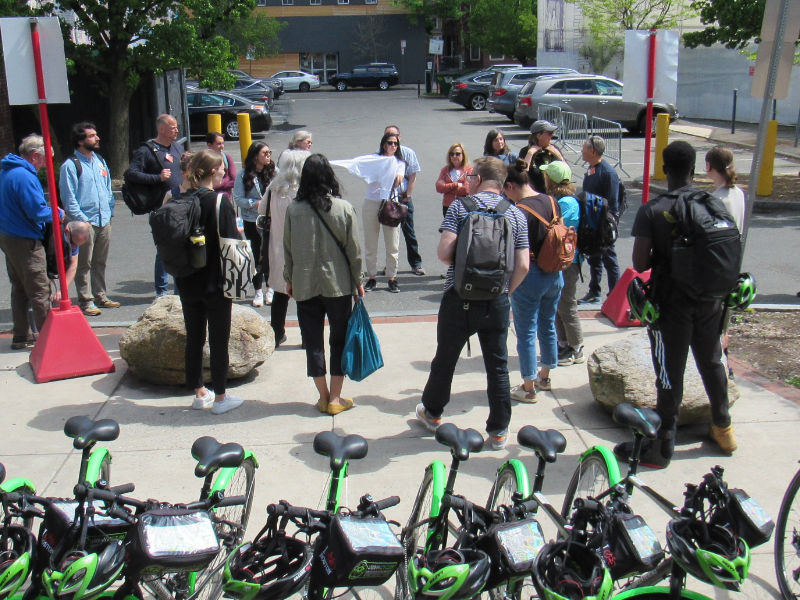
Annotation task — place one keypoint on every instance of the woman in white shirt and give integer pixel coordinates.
(719, 166)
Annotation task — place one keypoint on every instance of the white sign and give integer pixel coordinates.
(18, 57)
(436, 47)
(637, 52)
(402, 43)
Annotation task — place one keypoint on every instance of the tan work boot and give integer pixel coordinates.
(724, 438)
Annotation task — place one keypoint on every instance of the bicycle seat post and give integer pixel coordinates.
(638, 441)
(85, 455)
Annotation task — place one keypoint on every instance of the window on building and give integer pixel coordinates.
(344, 1)
(262, 2)
(287, 2)
(494, 58)
(370, 1)
(315, 2)
(474, 52)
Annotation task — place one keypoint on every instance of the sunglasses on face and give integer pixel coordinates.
(391, 143)
(456, 154)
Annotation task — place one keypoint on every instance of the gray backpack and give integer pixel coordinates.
(484, 251)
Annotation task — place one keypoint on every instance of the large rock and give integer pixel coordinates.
(154, 346)
(623, 372)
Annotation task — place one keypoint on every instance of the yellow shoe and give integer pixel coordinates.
(724, 438)
(335, 409)
(106, 303)
(322, 406)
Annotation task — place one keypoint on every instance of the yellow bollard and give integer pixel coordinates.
(244, 133)
(214, 123)
(662, 139)
(768, 160)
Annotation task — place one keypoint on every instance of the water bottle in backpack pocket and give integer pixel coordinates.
(178, 236)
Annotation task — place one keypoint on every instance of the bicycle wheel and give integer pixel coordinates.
(589, 479)
(382, 592)
(658, 593)
(787, 542)
(506, 484)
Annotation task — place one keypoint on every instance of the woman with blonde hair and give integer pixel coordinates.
(452, 182)
(278, 196)
(719, 167)
(202, 299)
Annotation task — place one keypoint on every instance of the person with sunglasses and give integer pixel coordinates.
(452, 182)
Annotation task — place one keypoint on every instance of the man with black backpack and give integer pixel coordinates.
(476, 292)
(679, 235)
(155, 166)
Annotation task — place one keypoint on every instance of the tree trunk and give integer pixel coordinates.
(119, 117)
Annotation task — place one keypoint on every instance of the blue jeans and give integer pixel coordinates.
(534, 304)
(412, 246)
(607, 259)
(161, 276)
(458, 320)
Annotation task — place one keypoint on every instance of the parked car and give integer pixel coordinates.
(202, 103)
(297, 80)
(275, 84)
(593, 95)
(506, 85)
(380, 75)
(471, 90)
(254, 90)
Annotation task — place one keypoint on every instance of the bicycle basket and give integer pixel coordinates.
(631, 546)
(174, 540)
(746, 518)
(512, 548)
(356, 551)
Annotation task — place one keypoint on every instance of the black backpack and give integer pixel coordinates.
(706, 249)
(171, 226)
(484, 256)
(143, 198)
(597, 227)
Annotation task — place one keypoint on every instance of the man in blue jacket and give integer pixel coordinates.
(23, 216)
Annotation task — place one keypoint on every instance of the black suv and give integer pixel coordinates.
(379, 75)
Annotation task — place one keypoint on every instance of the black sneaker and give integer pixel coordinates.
(371, 285)
(565, 357)
(393, 287)
(589, 298)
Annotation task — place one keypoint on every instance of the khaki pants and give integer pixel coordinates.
(391, 240)
(92, 263)
(30, 287)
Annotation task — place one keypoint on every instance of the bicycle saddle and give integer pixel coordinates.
(339, 448)
(211, 455)
(644, 421)
(546, 444)
(460, 441)
(85, 431)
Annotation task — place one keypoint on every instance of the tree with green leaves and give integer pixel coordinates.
(507, 27)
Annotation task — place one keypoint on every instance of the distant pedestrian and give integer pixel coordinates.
(452, 182)
(202, 299)
(24, 213)
(88, 198)
(280, 194)
(719, 167)
(495, 145)
(74, 235)
(405, 193)
(601, 179)
(540, 151)
(215, 141)
(251, 184)
(146, 169)
(323, 274)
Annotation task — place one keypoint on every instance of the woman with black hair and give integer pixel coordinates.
(495, 145)
(322, 273)
(251, 183)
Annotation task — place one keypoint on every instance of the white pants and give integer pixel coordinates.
(391, 239)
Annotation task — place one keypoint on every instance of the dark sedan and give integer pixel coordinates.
(471, 90)
(254, 91)
(202, 103)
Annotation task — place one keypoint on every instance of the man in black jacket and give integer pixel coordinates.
(157, 163)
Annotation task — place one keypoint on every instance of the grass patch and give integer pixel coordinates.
(795, 381)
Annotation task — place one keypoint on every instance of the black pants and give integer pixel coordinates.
(277, 314)
(311, 316)
(254, 236)
(685, 323)
(412, 246)
(213, 310)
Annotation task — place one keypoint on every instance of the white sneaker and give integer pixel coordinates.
(258, 299)
(270, 295)
(229, 403)
(203, 402)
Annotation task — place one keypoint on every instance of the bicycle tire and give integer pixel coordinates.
(788, 517)
(506, 484)
(379, 592)
(416, 528)
(657, 593)
(591, 477)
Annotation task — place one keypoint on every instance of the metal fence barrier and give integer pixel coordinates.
(574, 130)
(548, 112)
(611, 132)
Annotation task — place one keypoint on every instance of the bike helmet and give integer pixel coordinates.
(743, 293)
(709, 552)
(642, 308)
(267, 569)
(568, 570)
(16, 556)
(84, 575)
(448, 574)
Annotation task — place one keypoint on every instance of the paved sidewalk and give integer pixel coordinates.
(278, 422)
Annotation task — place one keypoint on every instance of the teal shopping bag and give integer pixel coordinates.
(362, 352)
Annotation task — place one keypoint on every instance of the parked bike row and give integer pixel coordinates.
(102, 542)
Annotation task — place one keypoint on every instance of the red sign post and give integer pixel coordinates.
(648, 129)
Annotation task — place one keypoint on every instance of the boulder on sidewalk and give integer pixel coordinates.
(623, 372)
(154, 346)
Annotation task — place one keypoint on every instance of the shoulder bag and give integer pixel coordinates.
(392, 212)
(237, 263)
(264, 223)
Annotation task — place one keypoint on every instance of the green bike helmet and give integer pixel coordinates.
(84, 575)
(267, 569)
(709, 552)
(642, 308)
(743, 293)
(448, 574)
(17, 546)
(568, 570)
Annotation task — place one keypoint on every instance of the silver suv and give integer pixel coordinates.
(593, 95)
(507, 83)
